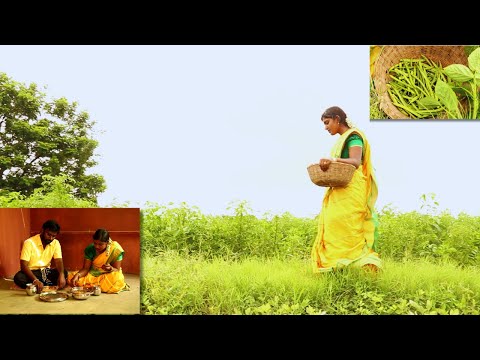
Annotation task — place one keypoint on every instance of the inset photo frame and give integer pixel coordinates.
(98, 249)
(424, 82)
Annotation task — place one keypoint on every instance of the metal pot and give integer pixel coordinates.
(97, 290)
(31, 289)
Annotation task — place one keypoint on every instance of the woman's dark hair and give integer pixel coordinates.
(102, 235)
(51, 225)
(333, 112)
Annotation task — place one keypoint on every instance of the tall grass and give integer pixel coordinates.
(434, 236)
(242, 264)
(173, 283)
(187, 230)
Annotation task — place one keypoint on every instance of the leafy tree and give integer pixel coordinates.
(40, 137)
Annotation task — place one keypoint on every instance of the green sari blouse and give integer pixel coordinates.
(353, 140)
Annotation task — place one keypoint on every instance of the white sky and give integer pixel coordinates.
(211, 125)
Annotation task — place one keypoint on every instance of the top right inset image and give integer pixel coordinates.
(426, 82)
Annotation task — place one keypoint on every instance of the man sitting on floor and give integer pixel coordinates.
(36, 257)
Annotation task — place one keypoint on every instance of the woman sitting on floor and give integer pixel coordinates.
(102, 265)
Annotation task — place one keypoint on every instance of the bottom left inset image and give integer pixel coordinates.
(70, 261)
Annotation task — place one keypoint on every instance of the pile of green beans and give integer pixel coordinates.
(413, 80)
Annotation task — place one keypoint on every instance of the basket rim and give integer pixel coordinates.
(337, 163)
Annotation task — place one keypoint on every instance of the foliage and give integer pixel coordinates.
(429, 235)
(470, 48)
(55, 192)
(235, 236)
(40, 137)
(198, 264)
(174, 283)
(466, 82)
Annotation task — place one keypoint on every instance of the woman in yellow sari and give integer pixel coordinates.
(102, 265)
(347, 228)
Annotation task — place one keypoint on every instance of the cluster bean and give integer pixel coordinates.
(412, 87)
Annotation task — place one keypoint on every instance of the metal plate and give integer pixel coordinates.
(53, 296)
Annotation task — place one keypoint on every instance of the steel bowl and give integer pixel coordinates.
(81, 294)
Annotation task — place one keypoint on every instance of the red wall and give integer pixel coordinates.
(77, 227)
(14, 229)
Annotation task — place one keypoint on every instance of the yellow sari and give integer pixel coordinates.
(110, 282)
(347, 224)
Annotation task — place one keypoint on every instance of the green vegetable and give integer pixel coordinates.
(412, 88)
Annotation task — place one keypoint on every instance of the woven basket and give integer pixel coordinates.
(337, 175)
(391, 55)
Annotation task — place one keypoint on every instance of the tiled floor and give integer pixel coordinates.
(18, 302)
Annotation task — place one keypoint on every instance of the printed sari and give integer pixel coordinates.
(110, 282)
(347, 227)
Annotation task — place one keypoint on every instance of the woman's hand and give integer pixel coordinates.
(107, 267)
(75, 279)
(325, 164)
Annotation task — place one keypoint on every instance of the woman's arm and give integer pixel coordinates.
(87, 263)
(82, 272)
(355, 152)
(117, 265)
(355, 156)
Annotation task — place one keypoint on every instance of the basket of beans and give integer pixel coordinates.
(405, 77)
